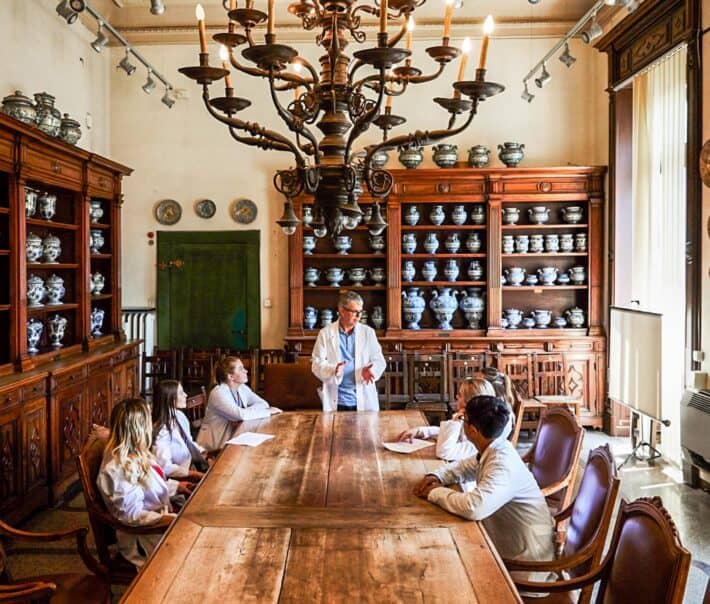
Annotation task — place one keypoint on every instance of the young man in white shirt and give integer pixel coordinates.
(505, 498)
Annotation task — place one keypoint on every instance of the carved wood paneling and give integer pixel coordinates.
(97, 397)
(34, 446)
(581, 382)
(9, 457)
(70, 434)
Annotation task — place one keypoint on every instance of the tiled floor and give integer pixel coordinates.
(690, 509)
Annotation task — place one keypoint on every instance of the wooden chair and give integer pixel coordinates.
(63, 588)
(646, 562)
(103, 524)
(291, 386)
(427, 384)
(196, 370)
(461, 367)
(266, 356)
(161, 365)
(589, 517)
(395, 381)
(554, 457)
(195, 409)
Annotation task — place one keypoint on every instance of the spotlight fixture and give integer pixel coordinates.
(567, 59)
(168, 99)
(593, 31)
(526, 95)
(157, 7)
(289, 221)
(543, 78)
(534, 1)
(101, 39)
(66, 12)
(126, 65)
(149, 85)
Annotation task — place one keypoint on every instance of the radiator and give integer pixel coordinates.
(694, 431)
(139, 324)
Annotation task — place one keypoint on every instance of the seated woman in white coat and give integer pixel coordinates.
(230, 401)
(348, 359)
(132, 484)
(174, 449)
(451, 441)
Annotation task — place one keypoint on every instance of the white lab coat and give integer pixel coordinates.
(222, 410)
(452, 444)
(136, 504)
(326, 355)
(170, 450)
(506, 499)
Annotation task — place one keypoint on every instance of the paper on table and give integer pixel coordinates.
(249, 439)
(406, 447)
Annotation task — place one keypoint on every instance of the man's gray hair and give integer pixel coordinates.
(350, 296)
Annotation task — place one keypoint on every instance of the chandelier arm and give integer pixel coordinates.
(357, 63)
(252, 128)
(258, 141)
(295, 125)
(362, 124)
(306, 148)
(262, 73)
(422, 79)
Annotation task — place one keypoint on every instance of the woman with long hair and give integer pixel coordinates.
(131, 482)
(231, 400)
(173, 446)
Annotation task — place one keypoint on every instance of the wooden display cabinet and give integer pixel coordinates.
(542, 359)
(49, 400)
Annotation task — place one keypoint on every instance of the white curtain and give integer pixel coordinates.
(659, 221)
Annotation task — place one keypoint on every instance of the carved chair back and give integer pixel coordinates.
(395, 381)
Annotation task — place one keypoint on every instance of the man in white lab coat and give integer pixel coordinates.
(506, 497)
(348, 359)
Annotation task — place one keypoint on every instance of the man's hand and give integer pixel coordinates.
(425, 485)
(185, 488)
(367, 376)
(339, 369)
(409, 435)
(275, 410)
(194, 475)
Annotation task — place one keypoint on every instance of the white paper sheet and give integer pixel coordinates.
(249, 439)
(406, 447)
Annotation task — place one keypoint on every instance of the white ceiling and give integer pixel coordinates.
(514, 17)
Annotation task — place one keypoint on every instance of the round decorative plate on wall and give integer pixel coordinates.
(168, 212)
(205, 208)
(244, 211)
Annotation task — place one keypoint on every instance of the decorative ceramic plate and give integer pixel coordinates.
(244, 211)
(168, 211)
(205, 208)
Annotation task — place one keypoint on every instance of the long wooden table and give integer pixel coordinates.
(321, 513)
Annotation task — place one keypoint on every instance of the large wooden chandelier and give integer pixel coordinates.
(342, 101)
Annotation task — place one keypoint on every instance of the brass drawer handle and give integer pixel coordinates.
(56, 168)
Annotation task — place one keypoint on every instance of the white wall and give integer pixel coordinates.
(40, 52)
(184, 154)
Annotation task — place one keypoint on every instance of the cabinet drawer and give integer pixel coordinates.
(99, 366)
(541, 185)
(10, 398)
(39, 160)
(100, 180)
(70, 378)
(442, 186)
(36, 390)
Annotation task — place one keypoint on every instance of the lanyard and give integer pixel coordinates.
(237, 398)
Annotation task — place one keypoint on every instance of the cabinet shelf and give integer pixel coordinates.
(4, 307)
(99, 225)
(426, 256)
(561, 225)
(4, 252)
(102, 296)
(444, 283)
(4, 210)
(335, 288)
(52, 225)
(47, 308)
(514, 288)
(36, 266)
(334, 256)
(544, 255)
(444, 227)
(101, 256)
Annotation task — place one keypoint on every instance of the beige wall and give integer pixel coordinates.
(186, 155)
(40, 52)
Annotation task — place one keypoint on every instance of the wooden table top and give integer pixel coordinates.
(321, 513)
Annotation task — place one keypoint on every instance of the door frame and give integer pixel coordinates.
(250, 238)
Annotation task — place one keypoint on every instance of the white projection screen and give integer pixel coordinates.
(635, 360)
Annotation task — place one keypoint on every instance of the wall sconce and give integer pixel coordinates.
(544, 77)
(566, 58)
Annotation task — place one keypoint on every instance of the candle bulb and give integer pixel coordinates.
(224, 55)
(447, 18)
(388, 104)
(232, 4)
(271, 18)
(297, 67)
(487, 31)
(383, 16)
(465, 50)
(200, 14)
(410, 29)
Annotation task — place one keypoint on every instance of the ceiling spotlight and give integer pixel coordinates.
(157, 7)
(149, 85)
(566, 58)
(101, 39)
(593, 31)
(168, 100)
(126, 65)
(66, 12)
(526, 96)
(544, 77)
(534, 1)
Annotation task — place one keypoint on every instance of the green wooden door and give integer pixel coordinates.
(208, 289)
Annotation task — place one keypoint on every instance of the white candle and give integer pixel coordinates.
(200, 14)
(447, 17)
(465, 50)
(224, 55)
(410, 29)
(487, 31)
(271, 18)
(383, 16)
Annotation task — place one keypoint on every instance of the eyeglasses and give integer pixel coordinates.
(357, 313)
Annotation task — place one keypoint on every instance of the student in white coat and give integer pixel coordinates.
(231, 400)
(132, 484)
(506, 497)
(348, 359)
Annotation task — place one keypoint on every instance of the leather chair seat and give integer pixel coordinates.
(291, 386)
(73, 588)
(560, 598)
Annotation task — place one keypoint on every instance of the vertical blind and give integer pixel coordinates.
(658, 263)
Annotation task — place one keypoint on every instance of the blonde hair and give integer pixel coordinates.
(224, 367)
(130, 438)
(475, 387)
